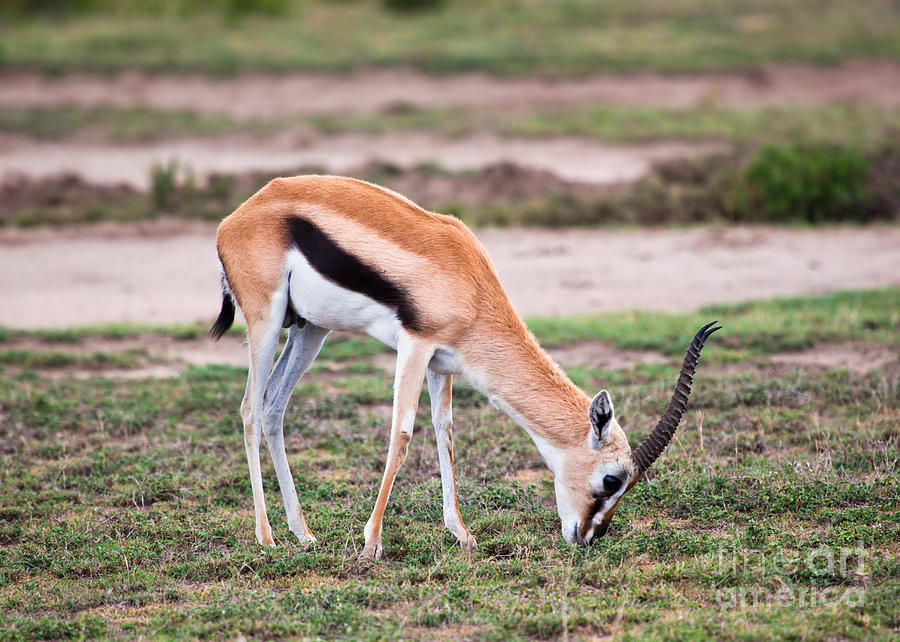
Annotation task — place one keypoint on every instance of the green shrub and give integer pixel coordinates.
(802, 183)
(796, 183)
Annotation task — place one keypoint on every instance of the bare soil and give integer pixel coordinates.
(165, 272)
(369, 91)
(858, 359)
(569, 158)
(372, 91)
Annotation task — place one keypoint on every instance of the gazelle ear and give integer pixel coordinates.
(601, 415)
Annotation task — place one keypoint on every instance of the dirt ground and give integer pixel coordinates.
(165, 272)
(369, 91)
(569, 158)
(868, 81)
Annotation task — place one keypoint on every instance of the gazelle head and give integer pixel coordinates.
(594, 477)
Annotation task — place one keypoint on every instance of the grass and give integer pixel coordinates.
(755, 329)
(61, 358)
(513, 37)
(859, 124)
(115, 123)
(851, 123)
(126, 508)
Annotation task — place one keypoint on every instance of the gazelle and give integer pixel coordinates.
(322, 253)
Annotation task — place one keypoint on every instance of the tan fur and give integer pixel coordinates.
(407, 386)
(455, 289)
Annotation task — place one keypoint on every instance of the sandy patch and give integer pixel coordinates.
(858, 359)
(598, 354)
(82, 279)
(375, 90)
(531, 475)
(160, 356)
(569, 158)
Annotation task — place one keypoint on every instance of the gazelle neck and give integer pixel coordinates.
(507, 364)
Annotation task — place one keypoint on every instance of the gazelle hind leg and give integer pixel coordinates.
(413, 356)
(263, 334)
(302, 347)
(440, 389)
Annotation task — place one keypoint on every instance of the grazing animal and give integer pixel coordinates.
(321, 253)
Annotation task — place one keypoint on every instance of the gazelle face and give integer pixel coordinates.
(594, 478)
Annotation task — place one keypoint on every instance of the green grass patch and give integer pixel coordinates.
(512, 37)
(126, 507)
(851, 123)
(117, 123)
(753, 328)
(858, 124)
(58, 359)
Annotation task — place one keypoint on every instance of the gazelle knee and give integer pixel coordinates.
(251, 437)
(273, 422)
(272, 430)
(403, 440)
(442, 425)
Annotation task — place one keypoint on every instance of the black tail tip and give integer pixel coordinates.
(226, 318)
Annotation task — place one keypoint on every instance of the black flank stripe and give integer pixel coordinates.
(344, 269)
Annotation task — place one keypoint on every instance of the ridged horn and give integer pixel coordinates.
(651, 448)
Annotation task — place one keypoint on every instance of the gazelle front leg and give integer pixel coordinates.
(440, 389)
(413, 356)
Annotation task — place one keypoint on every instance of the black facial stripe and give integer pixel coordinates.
(344, 269)
(595, 508)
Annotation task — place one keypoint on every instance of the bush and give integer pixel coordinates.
(797, 183)
(809, 183)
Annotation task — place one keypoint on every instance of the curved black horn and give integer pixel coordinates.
(651, 448)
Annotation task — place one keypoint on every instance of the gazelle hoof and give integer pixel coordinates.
(306, 538)
(371, 552)
(468, 543)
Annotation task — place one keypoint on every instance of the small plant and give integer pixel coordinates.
(163, 184)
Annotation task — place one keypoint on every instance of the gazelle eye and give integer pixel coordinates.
(611, 484)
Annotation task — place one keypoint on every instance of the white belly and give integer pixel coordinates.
(328, 305)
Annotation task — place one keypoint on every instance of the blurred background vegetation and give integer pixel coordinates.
(510, 37)
(799, 163)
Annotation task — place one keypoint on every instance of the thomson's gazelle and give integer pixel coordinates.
(322, 253)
